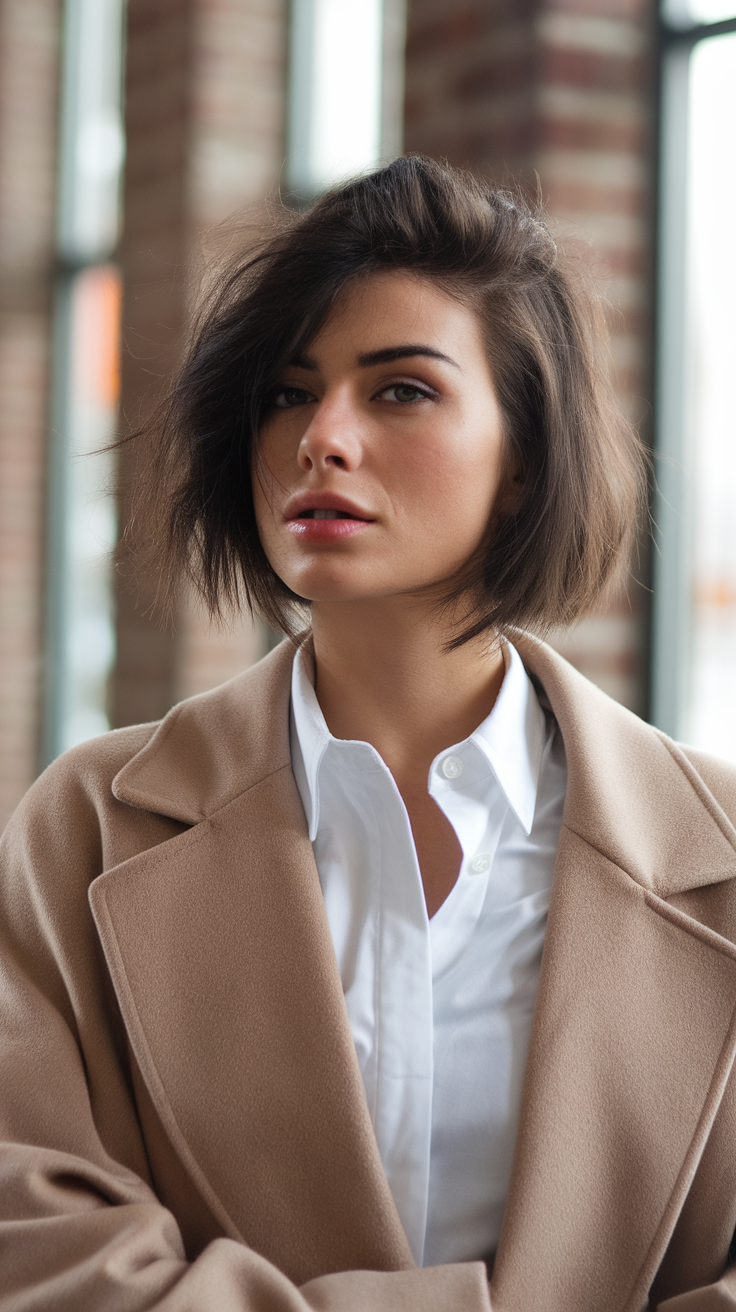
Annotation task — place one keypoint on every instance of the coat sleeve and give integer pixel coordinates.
(81, 1227)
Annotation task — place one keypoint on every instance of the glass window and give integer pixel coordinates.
(80, 646)
(694, 602)
(685, 13)
(711, 709)
(345, 93)
(88, 642)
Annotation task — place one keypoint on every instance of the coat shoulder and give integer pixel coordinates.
(70, 827)
(81, 776)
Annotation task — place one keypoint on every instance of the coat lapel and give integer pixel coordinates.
(633, 1037)
(219, 949)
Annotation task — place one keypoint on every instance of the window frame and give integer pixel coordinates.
(672, 609)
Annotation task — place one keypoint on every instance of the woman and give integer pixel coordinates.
(278, 1027)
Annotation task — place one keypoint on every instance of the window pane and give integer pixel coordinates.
(80, 635)
(86, 649)
(92, 130)
(682, 13)
(712, 11)
(335, 91)
(712, 420)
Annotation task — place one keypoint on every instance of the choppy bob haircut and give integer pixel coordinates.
(580, 462)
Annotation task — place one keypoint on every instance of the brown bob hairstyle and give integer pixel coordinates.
(581, 463)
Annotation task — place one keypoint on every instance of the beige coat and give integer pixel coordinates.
(182, 1112)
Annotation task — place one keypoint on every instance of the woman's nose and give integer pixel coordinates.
(333, 437)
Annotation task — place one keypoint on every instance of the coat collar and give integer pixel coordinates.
(632, 793)
(631, 986)
(210, 749)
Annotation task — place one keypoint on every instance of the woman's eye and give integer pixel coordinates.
(405, 393)
(287, 397)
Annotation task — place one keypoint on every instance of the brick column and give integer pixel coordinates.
(153, 256)
(564, 89)
(237, 150)
(204, 120)
(29, 45)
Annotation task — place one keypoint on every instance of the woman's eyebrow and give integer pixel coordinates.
(389, 353)
(385, 355)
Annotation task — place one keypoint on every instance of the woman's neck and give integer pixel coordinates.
(384, 676)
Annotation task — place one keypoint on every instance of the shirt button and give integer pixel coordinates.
(452, 767)
(480, 863)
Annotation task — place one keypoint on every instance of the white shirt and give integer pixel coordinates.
(440, 1009)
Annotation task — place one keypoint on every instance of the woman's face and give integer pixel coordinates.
(382, 452)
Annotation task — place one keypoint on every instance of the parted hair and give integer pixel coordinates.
(578, 462)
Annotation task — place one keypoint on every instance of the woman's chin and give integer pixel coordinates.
(334, 585)
(328, 596)
(341, 581)
(336, 594)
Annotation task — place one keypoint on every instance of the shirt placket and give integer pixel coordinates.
(469, 796)
(404, 1017)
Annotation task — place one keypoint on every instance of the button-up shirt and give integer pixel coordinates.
(440, 1009)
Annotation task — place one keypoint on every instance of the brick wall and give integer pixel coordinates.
(28, 81)
(563, 89)
(204, 121)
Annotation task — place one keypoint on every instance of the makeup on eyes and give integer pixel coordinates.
(302, 395)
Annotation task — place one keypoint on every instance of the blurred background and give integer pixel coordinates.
(128, 132)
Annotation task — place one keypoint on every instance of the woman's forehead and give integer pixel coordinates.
(388, 310)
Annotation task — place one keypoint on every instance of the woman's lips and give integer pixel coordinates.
(325, 525)
(319, 515)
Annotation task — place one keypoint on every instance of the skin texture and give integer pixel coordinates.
(414, 447)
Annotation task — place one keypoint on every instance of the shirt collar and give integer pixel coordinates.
(511, 738)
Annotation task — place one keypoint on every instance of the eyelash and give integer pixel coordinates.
(281, 391)
(424, 393)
